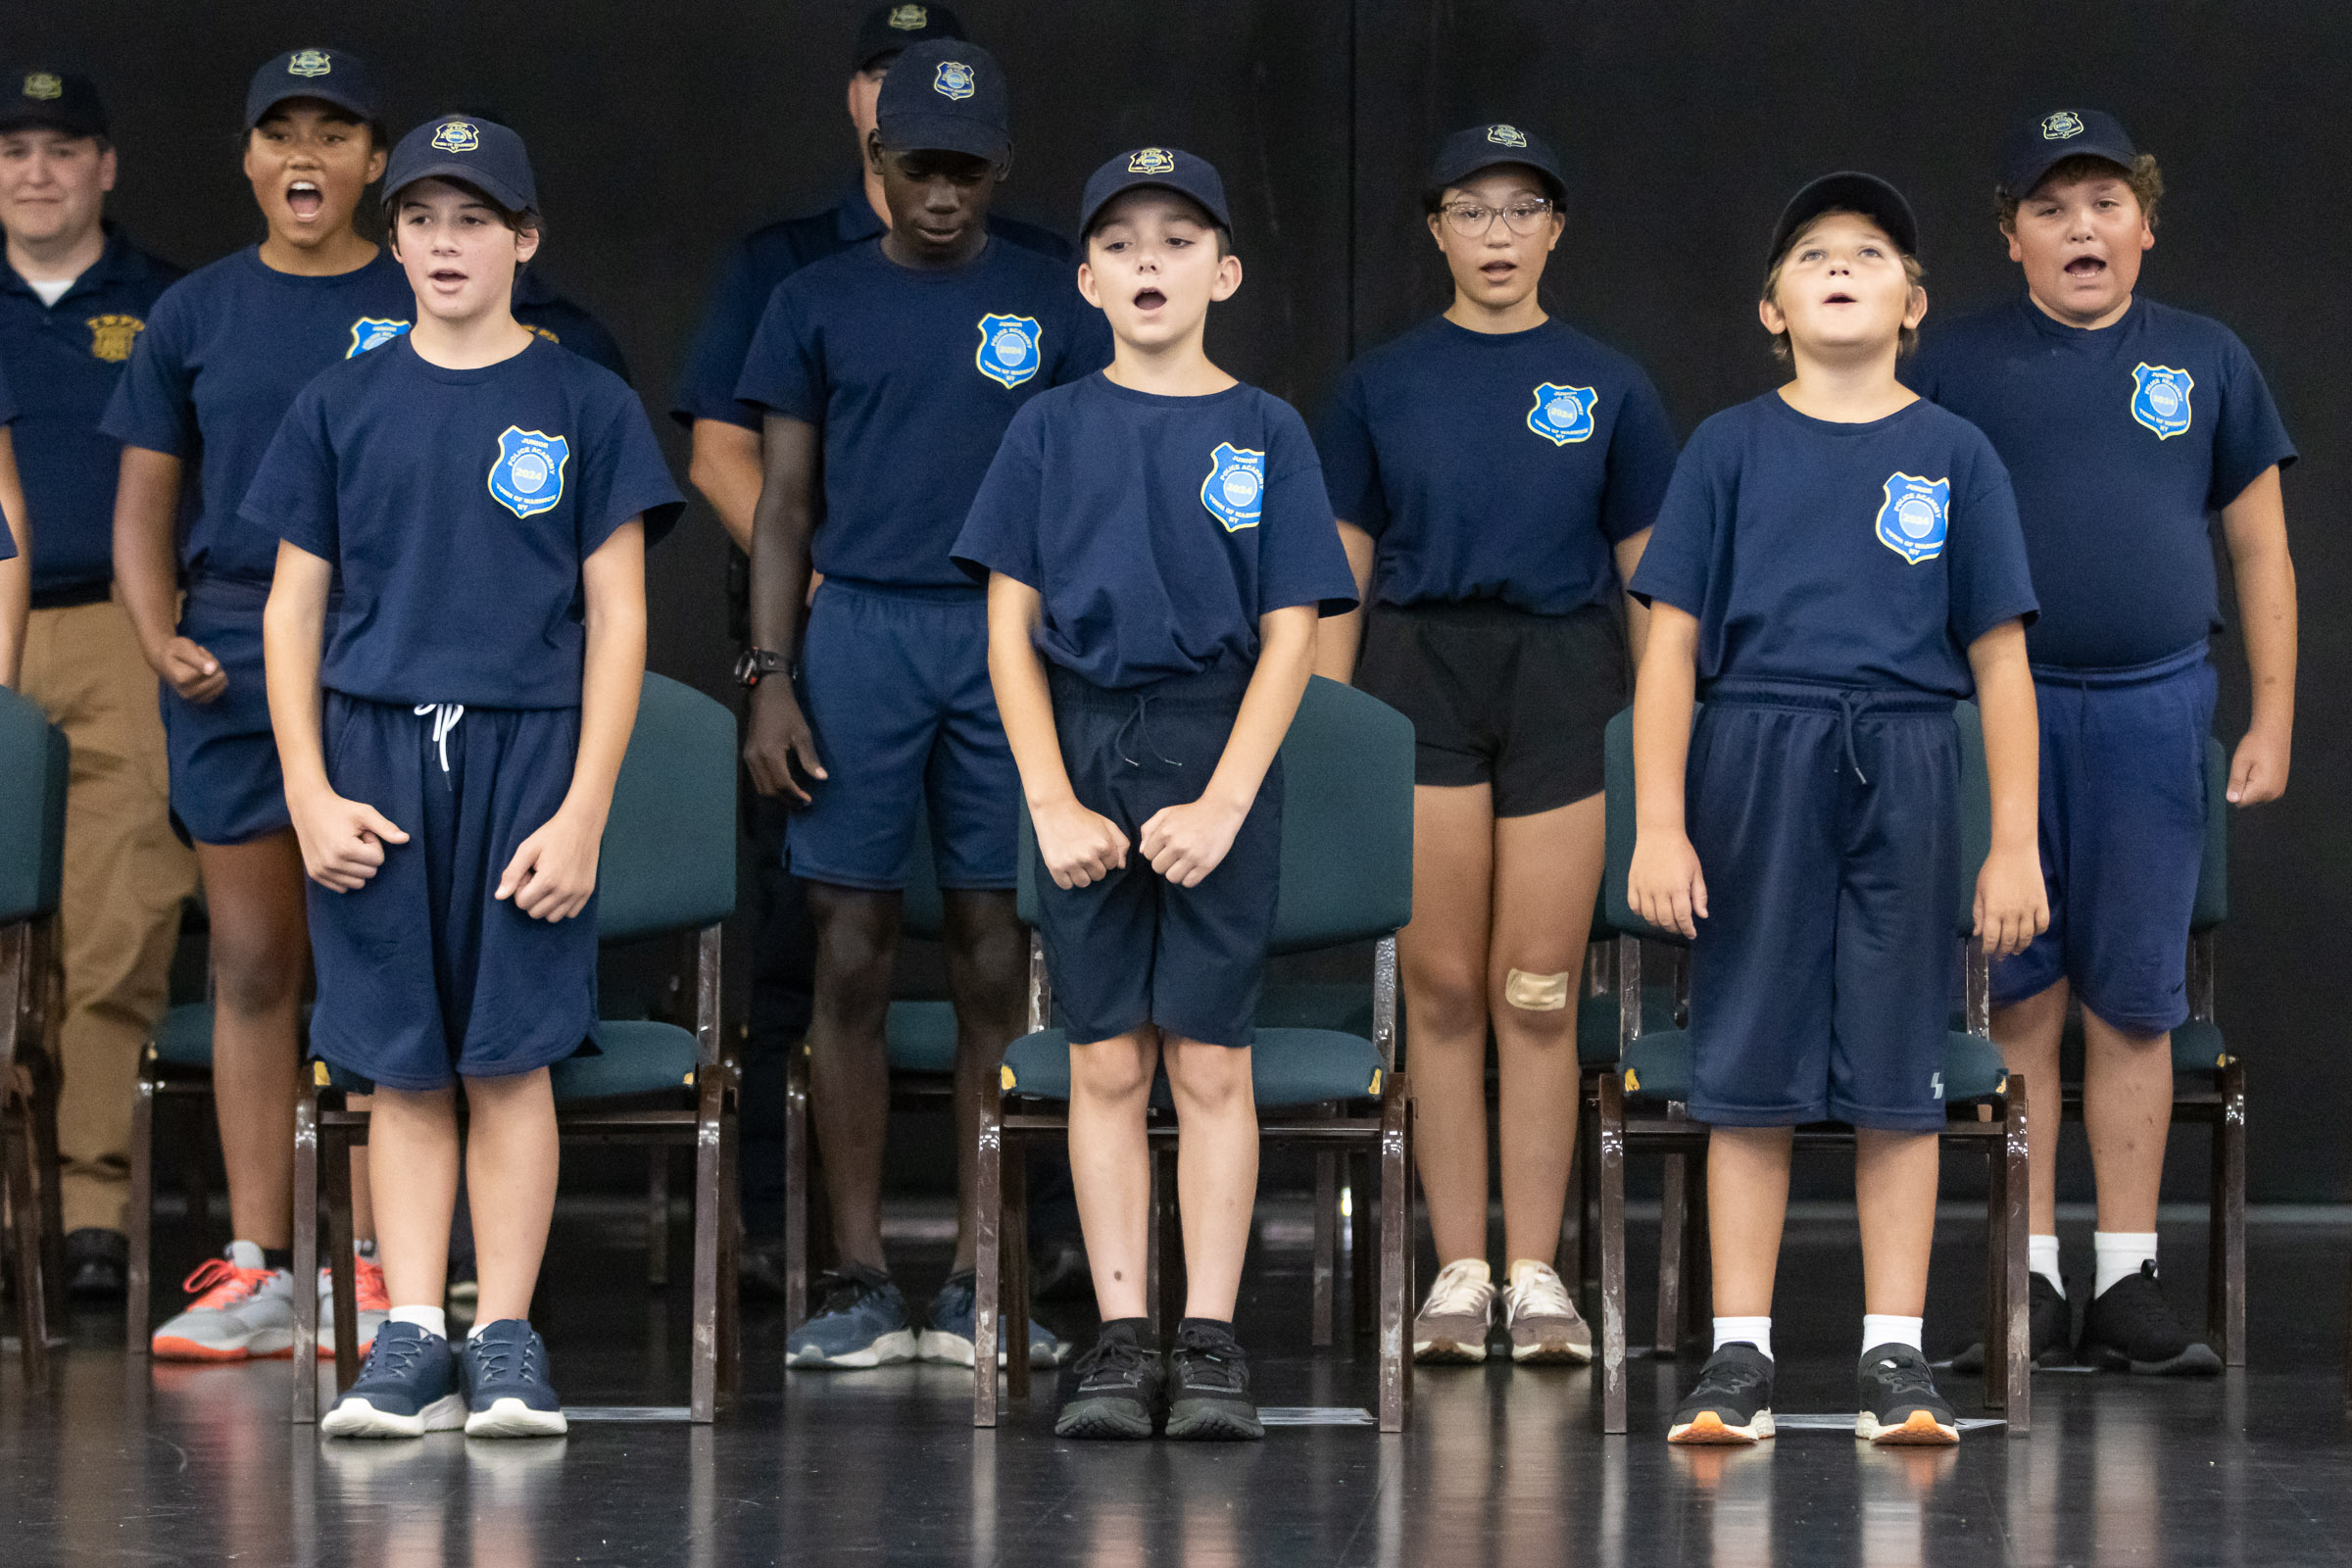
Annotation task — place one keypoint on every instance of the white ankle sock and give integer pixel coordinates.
(2119, 1254)
(2041, 1256)
(1880, 1328)
(1755, 1330)
(432, 1319)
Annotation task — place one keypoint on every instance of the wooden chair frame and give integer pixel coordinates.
(30, 997)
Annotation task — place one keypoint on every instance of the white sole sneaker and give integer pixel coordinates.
(512, 1418)
(953, 1349)
(1711, 1430)
(356, 1418)
(887, 1349)
(1555, 1353)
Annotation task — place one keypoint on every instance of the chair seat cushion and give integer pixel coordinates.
(634, 1056)
(184, 1035)
(921, 1037)
(1596, 1023)
(1658, 1066)
(1288, 1067)
(2197, 1047)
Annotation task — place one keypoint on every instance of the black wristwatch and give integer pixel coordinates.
(757, 663)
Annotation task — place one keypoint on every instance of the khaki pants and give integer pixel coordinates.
(125, 878)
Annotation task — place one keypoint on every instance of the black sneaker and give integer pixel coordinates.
(97, 1264)
(2051, 1317)
(1899, 1401)
(2130, 1327)
(1114, 1388)
(1733, 1402)
(1208, 1386)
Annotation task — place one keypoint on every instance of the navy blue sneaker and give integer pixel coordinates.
(407, 1387)
(864, 1323)
(506, 1384)
(948, 1337)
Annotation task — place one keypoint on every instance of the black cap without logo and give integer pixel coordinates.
(1848, 192)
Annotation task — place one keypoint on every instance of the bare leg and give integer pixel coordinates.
(2028, 1033)
(1110, 1165)
(511, 1162)
(261, 951)
(1747, 1203)
(2127, 1112)
(1216, 1170)
(988, 967)
(1894, 1192)
(413, 1144)
(1442, 958)
(1547, 870)
(848, 1072)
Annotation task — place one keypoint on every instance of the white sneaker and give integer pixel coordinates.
(1544, 1324)
(243, 1311)
(1453, 1322)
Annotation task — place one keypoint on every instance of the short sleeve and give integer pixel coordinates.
(715, 363)
(294, 494)
(999, 532)
(1641, 454)
(2250, 437)
(624, 474)
(153, 406)
(1299, 557)
(1350, 461)
(784, 373)
(1677, 561)
(1990, 579)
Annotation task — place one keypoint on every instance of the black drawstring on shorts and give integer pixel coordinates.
(1141, 722)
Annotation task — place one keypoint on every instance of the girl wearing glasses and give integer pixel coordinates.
(1495, 472)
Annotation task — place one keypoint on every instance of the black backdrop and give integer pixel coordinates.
(660, 132)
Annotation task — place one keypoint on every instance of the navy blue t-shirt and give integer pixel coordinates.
(767, 257)
(2120, 442)
(66, 358)
(225, 349)
(1851, 554)
(1497, 465)
(913, 375)
(1157, 529)
(538, 304)
(459, 505)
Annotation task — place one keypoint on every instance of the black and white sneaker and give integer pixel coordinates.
(1208, 1386)
(1899, 1401)
(1114, 1388)
(2052, 1318)
(1733, 1402)
(2130, 1327)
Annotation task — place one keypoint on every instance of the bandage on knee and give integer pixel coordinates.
(1536, 993)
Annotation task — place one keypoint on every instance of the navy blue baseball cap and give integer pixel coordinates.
(946, 95)
(481, 153)
(889, 28)
(333, 75)
(36, 97)
(1466, 152)
(2062, 133)
(1163, 167)
(1849, 191)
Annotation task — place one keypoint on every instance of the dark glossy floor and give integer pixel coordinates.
(168, 1465)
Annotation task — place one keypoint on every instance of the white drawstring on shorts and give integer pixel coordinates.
(445, 718)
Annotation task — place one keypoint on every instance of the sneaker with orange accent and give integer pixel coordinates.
(1733, 1402)
(375, 1304)
(243, 1311)
(1899, 1401)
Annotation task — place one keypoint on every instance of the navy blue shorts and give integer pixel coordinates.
(1826, 825)
(895, 685)
(226, 784)
(1135, 948)
(2122, 836)
(422, 975)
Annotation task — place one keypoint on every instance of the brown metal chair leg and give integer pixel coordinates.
(1363, 1249)
(2018, 1189)
(1609, 1154)
(305, 1391)
(1327, 1247)
(796, 1187)
(138, 1220)
(48, 1166)
(1396, 1255)
(2225, 1237)
(988, 1285)
(709, 1169)
(657, 1215)
(1013, 1245)
(730, 1237)
(1673, 1209)
(25, 1230)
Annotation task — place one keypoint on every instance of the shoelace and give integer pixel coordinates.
(493, 1356)
(1539, 1292)
(1114, 1359)
(445, 716)
(1457, 1293)
(393, 1354)
(219, 1283)
(1212, 1360)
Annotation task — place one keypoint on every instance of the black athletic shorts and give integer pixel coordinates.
(1501, 697)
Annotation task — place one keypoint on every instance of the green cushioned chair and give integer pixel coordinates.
(1643, 1104)
(1345, 877)
(667, 871)
(33, 769)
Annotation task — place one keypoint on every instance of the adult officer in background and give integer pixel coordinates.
(75, 295)
(726, 469)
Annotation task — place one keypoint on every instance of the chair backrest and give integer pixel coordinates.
(34, 767)
(2212, 873)
(668, 858)
(1346, 823)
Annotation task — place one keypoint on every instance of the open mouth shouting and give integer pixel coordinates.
(305, 198)
(2087, 269)
(1150, 300)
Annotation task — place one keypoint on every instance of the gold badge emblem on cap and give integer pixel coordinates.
(909, 19)
(457, 136)
(2064, 125)
(310, 63)
(1506, 135)
(45, 84)
(1152, 161)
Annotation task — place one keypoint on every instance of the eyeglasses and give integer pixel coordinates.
(1471, 219)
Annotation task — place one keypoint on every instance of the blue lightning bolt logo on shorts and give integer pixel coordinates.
(1913, 521)
(2160, 399)
(1562, 414)
(528, 476)
(1009, 348)
(1236, 486)
(373, 332)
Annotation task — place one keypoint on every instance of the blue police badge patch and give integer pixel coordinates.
(372, 333)
(528, 476)
(2160, 399)
(1009, 352)
(1917, 514)
(457, 136)
(2064, 125)
(1562, 414)
(1236, 486)
(953, 79)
